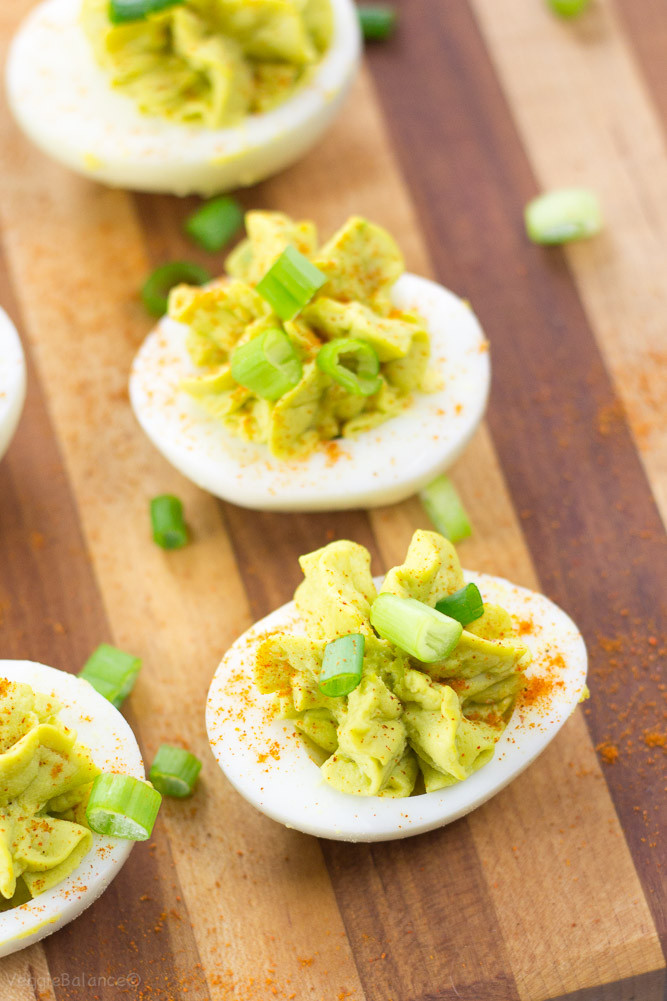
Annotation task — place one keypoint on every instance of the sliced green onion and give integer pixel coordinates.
(342, 665)
(174, 771)
(290, 283)
(562, 215)
(121, 11)
(111, 672)
(443, 506)
(378, 21)
(215, 223)
(169, 529)
(568, 8)
(422, 631)
(121, 806)
(465, 605)
(352, 363)
(156, 288)
(267, 365)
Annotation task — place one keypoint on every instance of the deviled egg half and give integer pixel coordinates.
(312, 376)
(12, 380)
(200, 96)
(444, 707)
(63, 865)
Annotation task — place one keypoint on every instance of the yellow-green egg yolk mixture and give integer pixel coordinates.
(45, 779)
(408, 727)
(361, 263)
(210, 63)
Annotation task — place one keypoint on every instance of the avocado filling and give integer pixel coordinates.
(408, 727)
(210, 63)
(45, 779)
(360, 264)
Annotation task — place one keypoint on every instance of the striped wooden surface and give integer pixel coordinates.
(553, 889)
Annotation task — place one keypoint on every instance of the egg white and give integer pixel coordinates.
(12, 380)
(266, 760)
(64, 102)
(381, 466)
(102, 729)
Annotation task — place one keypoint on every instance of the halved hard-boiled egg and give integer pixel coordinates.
(379, 466)
(266, 759)
(106, 734)
(65, 103)
(12, 380)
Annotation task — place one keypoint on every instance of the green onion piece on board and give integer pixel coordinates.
(377, 21)
(111, 672)
(122, 11)
(443, 506)
(465, 605)
(422, 631)
(568, 8)
(342, 665)
(267, 365)
(156, 288)
(121, 806)
(215, 223)
(174, 771)
(169, 529)
(562, 215)
(290, 283)
(352, 363)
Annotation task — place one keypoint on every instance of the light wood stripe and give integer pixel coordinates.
(586, 118)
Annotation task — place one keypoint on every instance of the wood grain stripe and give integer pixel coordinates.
(563, 465)
(587, 119)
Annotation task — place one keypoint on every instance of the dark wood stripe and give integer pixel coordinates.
(588, 514)
(52, 612)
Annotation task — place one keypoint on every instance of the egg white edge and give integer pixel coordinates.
(12, 380)
(288, 787)
(381, 466)
(105, 732)
(63, 101)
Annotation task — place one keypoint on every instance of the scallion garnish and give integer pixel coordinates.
(121, 806)
(465, 605)
(174, 771)
(378, 21)
(267, 365)
(443, 506)
(342, 665)
(122, 11)
(568, 8)
(562, 215)
(351, 363)
(422, 631)
(215, 223)
(169, 529)
(111, 672)
(290, 283)
(156, 288)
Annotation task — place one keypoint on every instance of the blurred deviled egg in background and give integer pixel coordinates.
(189, 96)
(12, 380)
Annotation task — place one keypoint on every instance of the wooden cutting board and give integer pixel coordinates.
(554, 888)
